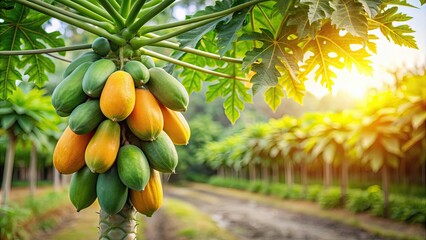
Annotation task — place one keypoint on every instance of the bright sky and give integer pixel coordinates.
(389, 57)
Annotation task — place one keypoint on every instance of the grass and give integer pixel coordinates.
(192, 224)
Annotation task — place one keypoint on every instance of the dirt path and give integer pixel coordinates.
(250, 219)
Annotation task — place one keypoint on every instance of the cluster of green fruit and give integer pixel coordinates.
(123, 128)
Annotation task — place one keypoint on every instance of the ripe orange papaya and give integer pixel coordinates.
(103, 147)
(175, 126)
(118, 96)
(150, 199)
(146, 119)
(68, 156)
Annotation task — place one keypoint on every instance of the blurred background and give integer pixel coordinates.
(347, 163)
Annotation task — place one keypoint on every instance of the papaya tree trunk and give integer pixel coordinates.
(252, 173)
(276, 172)
(327, 175)
(265, 173)
(304, 176)
(33, 170)
(385, 186)
(289, 173)
(8, 168)
(343, 180)
(56, 179)
(118, 226)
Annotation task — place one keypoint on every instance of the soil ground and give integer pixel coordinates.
(252, 216)
(245, 215)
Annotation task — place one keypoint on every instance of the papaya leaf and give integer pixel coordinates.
(294, 88)
(227, 32)
(371, 7)
(332, 50)
(233, 91)
(318, 9)
(275, 51)
(398, 34)
(349, 15)
(22, 29)
(299, 18)
(191, 38)
(273, 96)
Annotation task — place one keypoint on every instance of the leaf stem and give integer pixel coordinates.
(125, 8)
(118, 19)
(59, 57)
(188, 65)
(115, 4)
(152, 3)
(87, 9)
(134, 27)
(137, 43)
(100, 32)
(136, 7)
(49, 50)
(199, 18)
(266, 17)
(175, 46)
(84, 4)
(103, 25)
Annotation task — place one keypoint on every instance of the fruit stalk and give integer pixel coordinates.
(118, 226)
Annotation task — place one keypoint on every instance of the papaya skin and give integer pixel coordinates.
(118, 96)
(103, 147)
(151, 198)
(176, 126)
(146, 119)
(68, 156)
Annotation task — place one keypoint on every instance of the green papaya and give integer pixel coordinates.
(167, 89)
(96, 76)
(86, 117)
(62, 114)
(138, 71)
(83, 188)
(133, 167)
(101, 46)
(161, 153)
(112, 193)
(85, 57)
(147, 61)
(69, 94)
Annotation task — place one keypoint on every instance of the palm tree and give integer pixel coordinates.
(26, 115)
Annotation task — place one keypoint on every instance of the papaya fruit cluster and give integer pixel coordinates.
(122, 130)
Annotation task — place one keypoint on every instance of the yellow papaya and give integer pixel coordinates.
(118, 96)
(68, 156)
(175, 126)
(146, 119)
(103, 147)
(150, 199)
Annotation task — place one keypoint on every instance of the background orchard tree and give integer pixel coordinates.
(281, 42)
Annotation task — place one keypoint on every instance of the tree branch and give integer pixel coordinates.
(188, 65)
(100, 32)
(88, 9)
(118, 19)
(134, 27)
(136, 7)
(137, 43)
(103, 25)
(44, 51)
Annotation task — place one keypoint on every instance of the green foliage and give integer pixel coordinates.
(30, 115)
(358, 201)
(9, 222)
(22, 29)
(329, 198)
